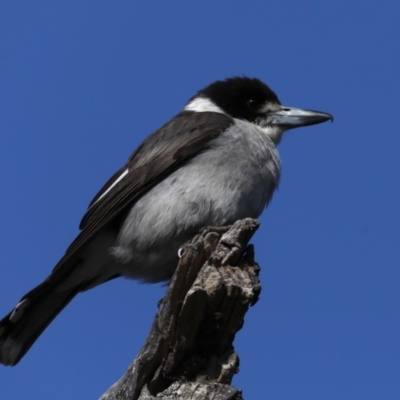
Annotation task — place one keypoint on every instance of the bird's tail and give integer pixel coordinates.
(25, 323)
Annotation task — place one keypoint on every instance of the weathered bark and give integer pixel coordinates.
(189, 352)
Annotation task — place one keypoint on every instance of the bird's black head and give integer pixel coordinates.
(240, 97)
(252, 100)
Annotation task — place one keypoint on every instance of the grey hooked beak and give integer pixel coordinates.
(288, 117)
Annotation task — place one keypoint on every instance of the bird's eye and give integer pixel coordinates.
(252, 104)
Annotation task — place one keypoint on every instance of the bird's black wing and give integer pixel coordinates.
(164, 151)
(161, 153)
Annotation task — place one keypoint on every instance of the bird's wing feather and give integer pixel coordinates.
(164, 151)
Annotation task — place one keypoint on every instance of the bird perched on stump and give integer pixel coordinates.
(213, 163)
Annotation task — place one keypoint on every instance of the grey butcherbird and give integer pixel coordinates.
(212, 164)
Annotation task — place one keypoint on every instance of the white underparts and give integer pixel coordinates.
(273, 132)
(202, 104)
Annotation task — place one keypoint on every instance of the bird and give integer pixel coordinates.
(213, 163)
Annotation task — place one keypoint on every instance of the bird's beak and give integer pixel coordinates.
(288, 117)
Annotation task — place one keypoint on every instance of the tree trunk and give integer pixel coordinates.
(189, 352)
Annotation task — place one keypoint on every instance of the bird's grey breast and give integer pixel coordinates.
(237, 173)
(232, 178)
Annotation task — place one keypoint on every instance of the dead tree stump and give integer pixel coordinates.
(189, 352)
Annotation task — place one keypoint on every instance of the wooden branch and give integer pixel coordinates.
(189, 352)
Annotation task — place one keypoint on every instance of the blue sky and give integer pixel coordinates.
(82, 84)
